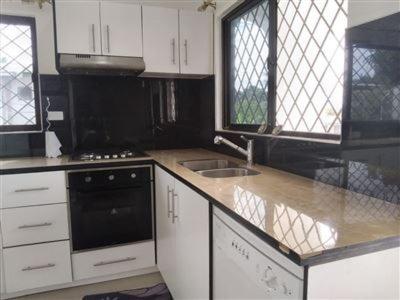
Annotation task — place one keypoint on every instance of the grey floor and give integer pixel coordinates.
(76, 293)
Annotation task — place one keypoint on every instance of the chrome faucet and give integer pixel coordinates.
(249, 153)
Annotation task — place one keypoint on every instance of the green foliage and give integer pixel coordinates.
(250, 106)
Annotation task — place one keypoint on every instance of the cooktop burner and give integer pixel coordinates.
(107, 155)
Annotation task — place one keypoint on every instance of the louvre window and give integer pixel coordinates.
(284, 65)
(19, 100)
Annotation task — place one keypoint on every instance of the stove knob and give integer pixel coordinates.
(133, 175)
(111, 177)
(98, 156)
(115, 156)
(129, 154)
(106, 156)
(88, 179)
(123, 156)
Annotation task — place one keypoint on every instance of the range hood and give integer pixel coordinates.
(80, 64)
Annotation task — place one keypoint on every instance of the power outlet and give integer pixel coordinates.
(55, 116)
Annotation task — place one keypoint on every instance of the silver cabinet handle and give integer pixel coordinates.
(35, 225)
(186, 52)
(31, 268)
(108, 38)
(93, 38)
(169, 191)
(173, 51)
(32, 189)
(174, 215)
(104, 263)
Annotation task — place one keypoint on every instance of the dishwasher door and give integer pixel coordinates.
(242, 271)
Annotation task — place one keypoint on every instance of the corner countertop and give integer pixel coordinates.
(308, 221)
(316, 222)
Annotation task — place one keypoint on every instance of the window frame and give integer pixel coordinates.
(227, 57)
(272, 77)
(29, 21)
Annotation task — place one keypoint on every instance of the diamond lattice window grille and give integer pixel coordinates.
(310, 65)
(375, 85)
(17, 97)
(248, 67)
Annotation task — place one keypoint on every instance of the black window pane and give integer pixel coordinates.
(248, 66)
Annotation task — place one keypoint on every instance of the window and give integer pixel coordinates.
(284, 65)
(248, 72)
(19, 93)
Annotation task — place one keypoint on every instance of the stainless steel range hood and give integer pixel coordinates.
(79, 64)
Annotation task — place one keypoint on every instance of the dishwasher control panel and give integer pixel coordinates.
(267, 275)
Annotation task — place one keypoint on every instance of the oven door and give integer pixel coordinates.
(111, 216)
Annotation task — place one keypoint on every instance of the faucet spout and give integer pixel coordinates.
(249, 152)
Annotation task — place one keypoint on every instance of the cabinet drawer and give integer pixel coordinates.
(29, 225)
(32, 189)
(36, 266)
(113, 260)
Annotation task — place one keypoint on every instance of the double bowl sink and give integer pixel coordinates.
(217, 168)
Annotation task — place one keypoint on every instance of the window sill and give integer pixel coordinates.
(287, 137)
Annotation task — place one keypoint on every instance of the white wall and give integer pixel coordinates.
(362, 11)
(44, 24)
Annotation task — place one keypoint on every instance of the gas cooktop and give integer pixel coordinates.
(107, 155)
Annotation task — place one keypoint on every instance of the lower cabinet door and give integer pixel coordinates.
(166, 242)
(35, 266)
(113, 260)
(192, 244)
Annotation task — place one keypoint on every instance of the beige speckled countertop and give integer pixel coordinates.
(308, 217)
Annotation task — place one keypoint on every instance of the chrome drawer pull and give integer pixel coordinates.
(104, 263)
(32, 190)
(31, 268)
(35, 225)
(170, 212)
(174, 215)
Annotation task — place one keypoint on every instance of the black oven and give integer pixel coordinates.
(110, 206)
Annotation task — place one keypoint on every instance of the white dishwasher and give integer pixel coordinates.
(245, 267)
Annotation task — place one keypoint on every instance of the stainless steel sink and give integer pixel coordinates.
(228, 172)
(208, 164)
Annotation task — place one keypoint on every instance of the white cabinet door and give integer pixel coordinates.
(35, 224)
(78, 27)
(32, 189)
(35, 266)
(160, 39)
(196, 42)
(166, 239)
(2, 282)
(192, 243)
(121, 29)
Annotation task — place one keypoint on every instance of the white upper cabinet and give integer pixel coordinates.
(78, 27)
(160, 39)
(196, 42)
(100, 28)
(121, 29)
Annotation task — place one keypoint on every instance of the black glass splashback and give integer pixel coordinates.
(108, 112)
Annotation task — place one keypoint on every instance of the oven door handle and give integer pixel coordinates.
(110, 262)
